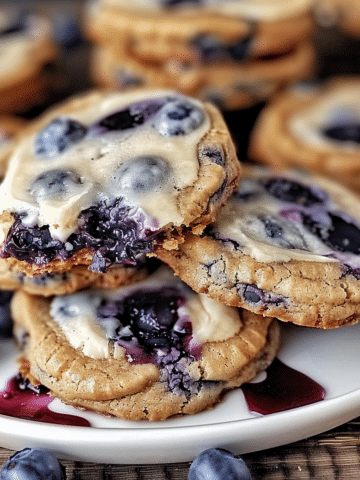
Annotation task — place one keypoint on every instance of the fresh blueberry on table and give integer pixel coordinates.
(178, 117)
(54, 184)
(218, 464)
(32, 464)
(5, 316)
(57, 136)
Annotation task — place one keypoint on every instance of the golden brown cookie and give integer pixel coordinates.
(78, 278)
(287, 244)
(210, 32)
(102, 178)
(10, 127)
(313, 126)
(231, 86)
(146, 351)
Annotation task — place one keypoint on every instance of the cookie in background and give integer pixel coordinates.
(233, 53)
(27, 50)
(315, 126)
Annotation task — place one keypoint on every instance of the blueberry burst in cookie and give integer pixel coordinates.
(146, 351)
(101, 179)
(285, 245)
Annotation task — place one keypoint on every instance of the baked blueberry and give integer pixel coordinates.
(5, 316)
(239, 50)
(344, 133)
(32, 464)
(57, 136)
(210, 47)
(218, 464)
(293, 192)
(57, 184)
(282, 233)
(178, 117)
(140, 175)
(132, 116)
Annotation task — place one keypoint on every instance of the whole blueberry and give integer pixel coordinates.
(54, 184)
(140, 175)
(178, 117)
(5, 316)
(57, 136)
(218, 464)
(32, 464)
(344, 133)
(211, 48)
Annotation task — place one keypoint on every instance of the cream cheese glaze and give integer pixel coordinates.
(76, 314)
(94, 160)
(252, 9)
(240, 221)
(339, 105)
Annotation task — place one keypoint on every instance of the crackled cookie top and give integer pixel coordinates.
(282, 217)
(253, 9)
(147, 319)
(329, 119)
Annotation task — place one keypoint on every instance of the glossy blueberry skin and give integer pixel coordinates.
(32, 464)
(140, 175)
(178, 117)
(344, 133)
(218, 464)
(54, 184)
(5, 316)
(57, 136)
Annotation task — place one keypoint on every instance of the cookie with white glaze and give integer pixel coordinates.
(285, 245)
(26, 47)
(313, 126)
(230, 86)
(204, 32)
(102, 178)
(146, 351)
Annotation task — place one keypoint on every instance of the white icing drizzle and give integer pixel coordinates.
(211, 320)
(95, 159)
(237, 221)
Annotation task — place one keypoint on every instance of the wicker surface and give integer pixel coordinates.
(334, 455)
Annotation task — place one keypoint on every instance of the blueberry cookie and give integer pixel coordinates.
(287, 244)
(26, 48)
(314, 126)
(146, 351)
(229, 86)
(103, 178)
(199, 32)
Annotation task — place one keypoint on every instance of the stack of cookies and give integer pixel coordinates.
(233, 53)
(93, 188)
(151, 266)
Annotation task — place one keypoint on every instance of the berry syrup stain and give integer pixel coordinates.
(284, 388)
(20, 399)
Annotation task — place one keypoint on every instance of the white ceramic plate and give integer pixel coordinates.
(331, 358)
